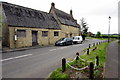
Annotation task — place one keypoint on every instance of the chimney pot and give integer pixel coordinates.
(53, 4)
(71, 13)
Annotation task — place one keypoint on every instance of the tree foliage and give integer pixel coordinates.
(84, 25)
(98, 35)
(84, 28)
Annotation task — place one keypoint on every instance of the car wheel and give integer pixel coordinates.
(72, 43)
(81, 42)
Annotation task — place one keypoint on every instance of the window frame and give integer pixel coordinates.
(55, 33)
(44, 33)
(21, 33)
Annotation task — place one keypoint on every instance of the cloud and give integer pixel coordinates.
(96, 12)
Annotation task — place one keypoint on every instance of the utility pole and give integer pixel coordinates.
(109, 30)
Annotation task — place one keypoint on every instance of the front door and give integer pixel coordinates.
(34, 38)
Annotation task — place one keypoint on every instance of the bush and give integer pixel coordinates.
(98, 35)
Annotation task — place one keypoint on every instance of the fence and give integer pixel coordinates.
(91, 64)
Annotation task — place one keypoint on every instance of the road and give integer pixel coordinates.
(38, 63)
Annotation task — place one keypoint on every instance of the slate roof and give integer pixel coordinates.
(19, 16)
(66, 18)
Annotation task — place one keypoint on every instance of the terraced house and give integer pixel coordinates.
(22, 26)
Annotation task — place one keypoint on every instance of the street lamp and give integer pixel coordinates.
(109, 30)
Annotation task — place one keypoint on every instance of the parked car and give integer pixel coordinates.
(77, 39)
(64, 41)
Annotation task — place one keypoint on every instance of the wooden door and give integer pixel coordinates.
(34, 38)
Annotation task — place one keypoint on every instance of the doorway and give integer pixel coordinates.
(70, 35)
(34, 38)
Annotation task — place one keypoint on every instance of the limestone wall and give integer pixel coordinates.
(27, 41)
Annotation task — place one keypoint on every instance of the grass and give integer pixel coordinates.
(119, 42)
(88, 37)
(59, 74)
(100, 51)
(102, 38)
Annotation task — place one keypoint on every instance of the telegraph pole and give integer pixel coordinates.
(109, 30)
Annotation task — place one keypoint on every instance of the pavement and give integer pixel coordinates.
(6, 50)
(39, 62)
(111, 66)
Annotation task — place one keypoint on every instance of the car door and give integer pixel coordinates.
(71, 40)
(67, 41)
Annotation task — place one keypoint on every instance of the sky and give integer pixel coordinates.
(95, 12)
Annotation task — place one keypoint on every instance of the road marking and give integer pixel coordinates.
(76, 45)
(59, 48)
(16, 57)
(63, 47)
(52, 49)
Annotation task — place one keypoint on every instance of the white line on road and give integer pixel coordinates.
(76, 45)
(16, 57)
(52, 49)
(64, 47)
(59, 48)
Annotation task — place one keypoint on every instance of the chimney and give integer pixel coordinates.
(71, 13)
(52, 4)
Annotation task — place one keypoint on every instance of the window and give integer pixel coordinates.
(44, 33)
(21, 33)
(66, 35)
(56, 33)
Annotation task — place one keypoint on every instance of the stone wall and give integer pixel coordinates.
(27, 41)
(69, 30)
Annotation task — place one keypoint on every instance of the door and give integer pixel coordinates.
(34, 38)
(68, 41)
(70, 35)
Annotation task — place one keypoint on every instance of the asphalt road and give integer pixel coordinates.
(38, 63)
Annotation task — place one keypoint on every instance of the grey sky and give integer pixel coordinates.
(96, 12)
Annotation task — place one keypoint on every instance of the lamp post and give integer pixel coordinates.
(109, 30)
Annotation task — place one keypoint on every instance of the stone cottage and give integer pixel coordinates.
(69, 26)
(28, 27)
(22, 26)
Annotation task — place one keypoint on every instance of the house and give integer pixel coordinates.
(69, 26)
(90, 34)
(23, 27)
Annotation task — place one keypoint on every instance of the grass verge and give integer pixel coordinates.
(101, 53)
(70, 73)
(119, 42)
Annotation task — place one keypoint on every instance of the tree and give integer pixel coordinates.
(84, 28)
(98, 35)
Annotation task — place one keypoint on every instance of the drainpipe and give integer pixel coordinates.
(48, 37)
(15, 37)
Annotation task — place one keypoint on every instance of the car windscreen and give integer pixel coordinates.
(61, 39)
(77, 38)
